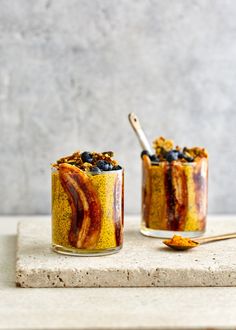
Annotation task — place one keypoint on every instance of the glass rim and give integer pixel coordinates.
(53, 169)
(103, 172)
(176, 163)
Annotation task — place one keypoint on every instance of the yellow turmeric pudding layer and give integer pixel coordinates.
(180, 241)
(87, 203)
(174, 189)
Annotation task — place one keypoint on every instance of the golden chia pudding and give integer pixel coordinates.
(87, 204)
(174, 190)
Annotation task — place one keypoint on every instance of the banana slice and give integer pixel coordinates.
(85, 205)
(146, 189)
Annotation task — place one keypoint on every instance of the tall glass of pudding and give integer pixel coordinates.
(87, 204)
(174, 190)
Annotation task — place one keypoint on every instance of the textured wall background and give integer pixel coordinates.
(71, 71)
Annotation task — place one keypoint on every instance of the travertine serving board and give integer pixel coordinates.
(143, 261)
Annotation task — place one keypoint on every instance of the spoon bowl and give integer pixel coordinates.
(181, 247)
(197, 242)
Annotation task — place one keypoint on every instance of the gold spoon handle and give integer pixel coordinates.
(134, 121)
(204, 240)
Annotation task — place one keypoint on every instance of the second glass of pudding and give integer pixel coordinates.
(87, 204)
(174, 190)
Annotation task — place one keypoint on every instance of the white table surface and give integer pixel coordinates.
(107, 308)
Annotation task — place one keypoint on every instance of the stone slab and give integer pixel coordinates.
(143, 261)
(106, 308)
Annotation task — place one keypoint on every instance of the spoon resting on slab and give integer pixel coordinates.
(181, 243)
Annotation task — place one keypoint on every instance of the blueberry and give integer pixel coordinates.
(87, 157)
(100, 164)
(188, 158)
(117, 167)
(103, 165)
(110, 166)
(154, 158)
(95, 169)
(106, 166)
(180, 154)
(144, 152)
(171, 156)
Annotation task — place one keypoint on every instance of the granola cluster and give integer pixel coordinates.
(166, 150)
(90, 161)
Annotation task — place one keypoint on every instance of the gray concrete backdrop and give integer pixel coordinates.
(71, 71)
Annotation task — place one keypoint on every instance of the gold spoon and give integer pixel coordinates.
(197, 241)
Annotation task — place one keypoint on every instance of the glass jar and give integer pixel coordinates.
(87, 211)
(174, 198)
